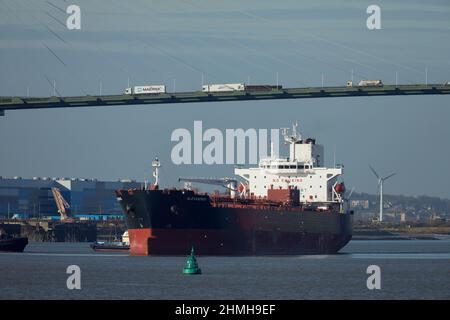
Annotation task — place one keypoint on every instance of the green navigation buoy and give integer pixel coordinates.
(191, 266)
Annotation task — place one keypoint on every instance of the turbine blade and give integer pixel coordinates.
(374, 172)
(392, 174)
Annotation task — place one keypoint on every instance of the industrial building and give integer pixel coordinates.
(28, 198)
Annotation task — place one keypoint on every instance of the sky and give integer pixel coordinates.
(178, 43)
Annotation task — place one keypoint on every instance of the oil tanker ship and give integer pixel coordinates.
(285, 206)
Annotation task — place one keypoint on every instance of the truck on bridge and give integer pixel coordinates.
(231, 87)
(151, 89)
(226, 87)
(366, 83)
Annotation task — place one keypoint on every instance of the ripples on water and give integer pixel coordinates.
(410, 269)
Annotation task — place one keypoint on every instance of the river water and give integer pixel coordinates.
(409, 269)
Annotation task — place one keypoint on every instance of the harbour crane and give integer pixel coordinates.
(61, 203)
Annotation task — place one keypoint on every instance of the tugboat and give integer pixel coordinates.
(115, 246)
(10, 244)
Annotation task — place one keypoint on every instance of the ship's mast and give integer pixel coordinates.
(291, 139)
(294, 136)
(156, 165)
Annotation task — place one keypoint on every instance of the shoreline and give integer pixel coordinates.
(399, 236)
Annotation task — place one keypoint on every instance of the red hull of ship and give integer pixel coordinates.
(144, 242)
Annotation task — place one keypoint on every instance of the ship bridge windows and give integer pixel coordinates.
(287, 166)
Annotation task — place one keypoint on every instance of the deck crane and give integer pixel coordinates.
(61, 203)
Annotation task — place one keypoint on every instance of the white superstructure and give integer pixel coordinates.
(303, 170)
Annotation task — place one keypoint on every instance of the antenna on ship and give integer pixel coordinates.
(291, 139)
(294, 136)
(156, 165)
(380, 183)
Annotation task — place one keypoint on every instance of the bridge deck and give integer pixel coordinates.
(20, 103)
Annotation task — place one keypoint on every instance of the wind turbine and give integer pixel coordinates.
(380, 183)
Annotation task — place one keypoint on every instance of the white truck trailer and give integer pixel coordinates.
(366, 83)
(226, 87)
(153, 89)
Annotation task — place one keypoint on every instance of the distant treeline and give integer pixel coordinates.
(418, 203)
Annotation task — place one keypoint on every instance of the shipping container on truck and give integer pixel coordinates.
(226, 87)
(370, 83)
(153, 89)
(366, 83)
